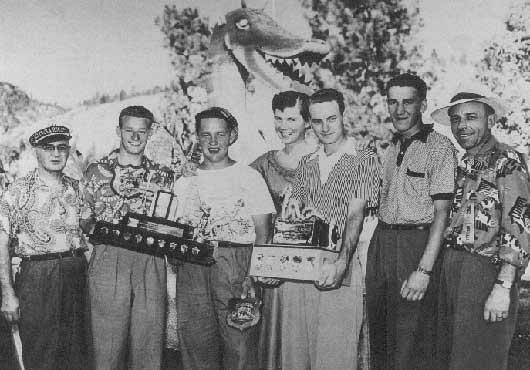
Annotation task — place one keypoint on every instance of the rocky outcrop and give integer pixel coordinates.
(17, 107)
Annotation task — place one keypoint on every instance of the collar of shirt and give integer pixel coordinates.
(41, 183)
(112, 160)
(470, 164)
(421, 135)
(326, 162)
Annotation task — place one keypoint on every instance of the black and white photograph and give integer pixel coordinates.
(264, 185)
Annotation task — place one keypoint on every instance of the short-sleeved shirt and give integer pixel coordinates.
(112, 190)
(222, 202)
(416, 172)
(490, 215)
(42, 219)
(327, 183)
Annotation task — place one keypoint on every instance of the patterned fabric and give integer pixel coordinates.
(490, 214)
(415, 173)
(222, 202)
(354, 175)
(112, 190)
(278, 178)
(40, 218)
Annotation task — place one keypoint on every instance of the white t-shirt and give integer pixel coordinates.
(231, 196)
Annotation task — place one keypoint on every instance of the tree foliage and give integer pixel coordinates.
(505, 69)
(370, 43)
(186, 36)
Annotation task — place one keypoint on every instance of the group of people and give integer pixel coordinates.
(443, 266)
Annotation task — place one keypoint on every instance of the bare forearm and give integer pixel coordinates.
(350, 237)
(5, 264)
(434, 241)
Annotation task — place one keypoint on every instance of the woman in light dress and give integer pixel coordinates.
(278, 168)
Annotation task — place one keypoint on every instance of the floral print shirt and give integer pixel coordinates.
(41, 219)
(490, 214)
(112, 190)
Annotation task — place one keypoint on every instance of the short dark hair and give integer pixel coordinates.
(138, 111)
(216, 112)
(325, 95)
(488, 110)
(289, 99)
(410, 80)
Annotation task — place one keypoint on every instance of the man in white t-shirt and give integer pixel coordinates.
(230, 203)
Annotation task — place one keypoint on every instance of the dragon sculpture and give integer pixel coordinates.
(253, 57)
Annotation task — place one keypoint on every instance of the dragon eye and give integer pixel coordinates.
(243, 24)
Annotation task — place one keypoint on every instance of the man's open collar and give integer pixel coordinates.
(421, 135)
(112, 160)
(485, 150)
(347, 147)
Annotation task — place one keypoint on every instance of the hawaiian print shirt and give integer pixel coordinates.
(112, 190)
(41, 219)
(490, 215)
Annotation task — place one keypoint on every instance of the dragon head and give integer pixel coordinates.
(263, 49)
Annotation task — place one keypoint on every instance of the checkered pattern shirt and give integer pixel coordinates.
(416, 172)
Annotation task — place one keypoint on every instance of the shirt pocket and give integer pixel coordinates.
(416, 183)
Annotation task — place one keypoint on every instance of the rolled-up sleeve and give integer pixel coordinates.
(512, 183)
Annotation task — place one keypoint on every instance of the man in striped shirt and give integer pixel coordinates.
(339, 183)
(418, 184)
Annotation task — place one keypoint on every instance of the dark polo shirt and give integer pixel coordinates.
(416, 172)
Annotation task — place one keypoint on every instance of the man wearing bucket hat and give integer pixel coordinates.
(41, 213)
(487, 240)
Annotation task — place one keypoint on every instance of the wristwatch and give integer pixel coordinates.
(504, 284)
(424, 271)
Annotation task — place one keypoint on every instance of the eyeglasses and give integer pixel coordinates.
(50, 148)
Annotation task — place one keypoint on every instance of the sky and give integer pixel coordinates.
(64, 51)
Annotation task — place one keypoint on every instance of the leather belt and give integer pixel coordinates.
(53, 256)
(226, 244)
(386, 226)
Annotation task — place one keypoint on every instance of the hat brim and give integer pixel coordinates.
(52, 138)
(441, 115)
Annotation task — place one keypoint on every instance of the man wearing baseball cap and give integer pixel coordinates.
(39, 216)
(487, 240)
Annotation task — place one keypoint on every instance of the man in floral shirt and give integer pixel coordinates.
(127, 288)
(40, 213)
(487, 240)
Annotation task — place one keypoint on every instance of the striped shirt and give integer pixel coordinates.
(353, 174)
(416, 172)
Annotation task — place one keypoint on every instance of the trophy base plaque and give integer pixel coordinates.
(155, 236)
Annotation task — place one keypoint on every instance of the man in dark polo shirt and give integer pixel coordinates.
(418, 184)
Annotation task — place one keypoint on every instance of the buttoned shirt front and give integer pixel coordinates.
(42, 219)
(490, 215)
(416, 172)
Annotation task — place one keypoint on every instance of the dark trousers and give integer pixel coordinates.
(52, 296)
(206, 341)
(402, 333)
(465, 340)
